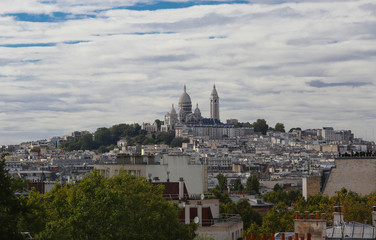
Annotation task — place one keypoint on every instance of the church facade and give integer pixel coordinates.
(187, 123)
(186, 117)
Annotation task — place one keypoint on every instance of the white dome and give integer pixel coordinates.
(185, 98)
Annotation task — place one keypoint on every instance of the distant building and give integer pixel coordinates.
(353, 173)
(192, 124)
(168, 167)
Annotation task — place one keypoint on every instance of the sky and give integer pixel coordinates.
(69, 65)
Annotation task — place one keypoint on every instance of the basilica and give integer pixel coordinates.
(186, 117)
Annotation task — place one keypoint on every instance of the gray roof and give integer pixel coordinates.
(351, 230)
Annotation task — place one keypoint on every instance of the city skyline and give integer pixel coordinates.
(80, 65)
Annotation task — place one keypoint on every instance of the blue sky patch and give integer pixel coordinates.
(22, 45)
(75, 42)
(175, 5)
(53, 17)
(31, 60)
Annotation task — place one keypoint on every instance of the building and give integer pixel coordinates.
(354, 173)
(161, 168)
(192, 124)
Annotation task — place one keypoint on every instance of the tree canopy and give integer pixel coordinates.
(279, 127)
(104, 139)
(253, 185)
(10, 205)
(260, 126)
(122, 207)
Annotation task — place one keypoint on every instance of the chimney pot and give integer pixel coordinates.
(252, 236)
(296, 236)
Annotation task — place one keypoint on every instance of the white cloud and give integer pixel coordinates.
(130, 66)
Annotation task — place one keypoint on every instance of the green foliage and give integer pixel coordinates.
(243, 125)
(249, 215)
(122, 207)
(10, 205)
(238, 186)
(278, 219)
(260, 126)
(253, 185)
(204, 237)
(297, 128)
(36, 150)
(159, 123)
(104, 139)
(222, 182)
(287, 197)
(178, 141)
(277, 188)
(279, 127)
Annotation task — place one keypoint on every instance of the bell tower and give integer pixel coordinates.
(214, 104)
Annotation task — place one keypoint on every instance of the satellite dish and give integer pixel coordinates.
(202, 196)
(196, 220)
(183, 204)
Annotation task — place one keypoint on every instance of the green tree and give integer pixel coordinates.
(279, 127)
(238, 186)
(248, 214)
(277, 187)
(278, 219)
(103, 136)
(122, 207)
(87, 142)
(297, 128)
(10, 205)
(260, 126)
(159, 123)
(178, 141)
(253, 185)
(222, 182)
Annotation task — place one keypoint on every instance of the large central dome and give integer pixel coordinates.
(185, 98)
(185, 105)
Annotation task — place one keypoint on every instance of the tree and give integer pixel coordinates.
(278, 219)
(222, 182)
(122, 207)
(159, 123)
(248, 214)
(178, 141)
(279, 127)
(292, 129)
(103, 136)
(277, 187)
(260, 126)
(10, 205)
(238, 186)
(253, 185)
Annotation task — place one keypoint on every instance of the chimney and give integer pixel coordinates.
(337, 215)
(199, 212)
(313, 225)
(187, 213)
(181, 188)
(374, 216)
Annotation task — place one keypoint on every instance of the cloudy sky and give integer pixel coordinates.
(70, 65)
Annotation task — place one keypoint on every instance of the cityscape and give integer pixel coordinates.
(205, 120)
